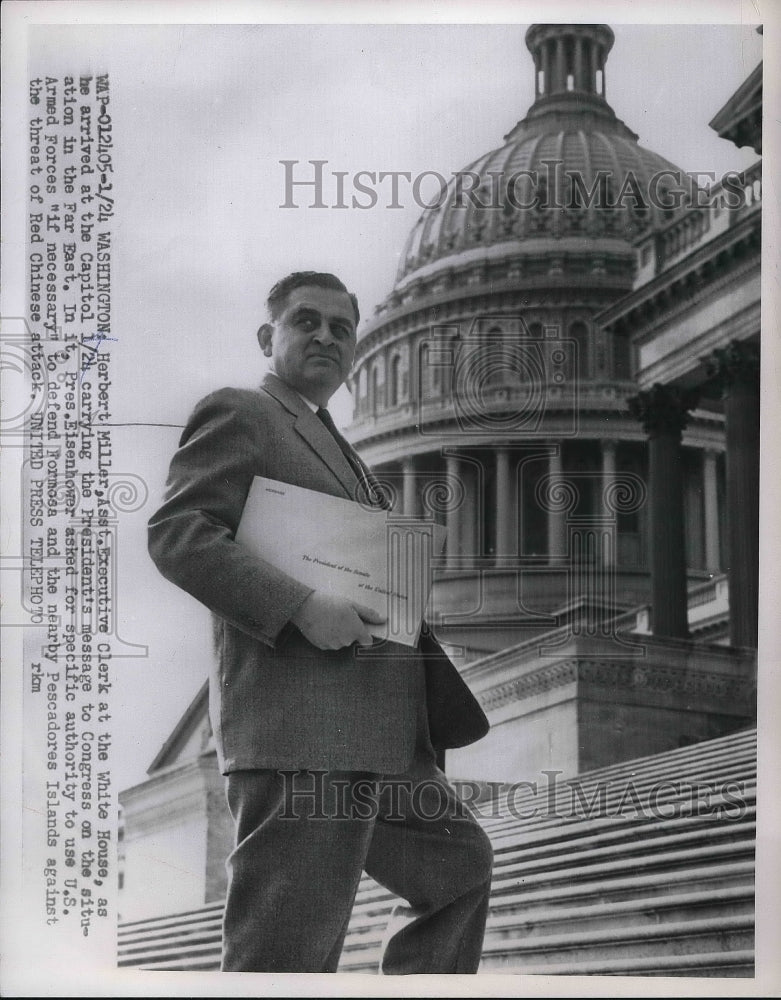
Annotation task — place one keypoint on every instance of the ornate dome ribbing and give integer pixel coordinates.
(570, 171)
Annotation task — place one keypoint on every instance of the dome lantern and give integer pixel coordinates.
(570, 172)
(569, 60)
(485, 376)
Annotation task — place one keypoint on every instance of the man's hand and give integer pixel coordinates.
(330, 622)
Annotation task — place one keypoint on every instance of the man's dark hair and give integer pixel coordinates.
(278, 296)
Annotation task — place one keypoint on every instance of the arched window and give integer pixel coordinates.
(361, 401)
(429, 371)
(578, 332)
(373, 391)
(523, 371)
(454, 359)
(394, 392)
(493, 358)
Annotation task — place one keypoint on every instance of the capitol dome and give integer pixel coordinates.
(570, 171)
(485, 393)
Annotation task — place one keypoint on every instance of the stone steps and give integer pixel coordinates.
(673, 908)
(619, 893)
(533, 917)
(726, 964)
(546, 869)
(575, 886)
(527, 824)
(714, 881)
(723, 933)
(528, 854)
(512, 951)
(193, 937)
(564, 807)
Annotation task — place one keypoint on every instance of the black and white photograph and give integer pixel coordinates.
(390, 533)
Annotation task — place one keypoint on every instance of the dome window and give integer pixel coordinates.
(578, 332)
(395, 381)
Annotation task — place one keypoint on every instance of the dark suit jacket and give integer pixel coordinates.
(277, 701)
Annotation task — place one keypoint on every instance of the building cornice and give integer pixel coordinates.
(740, 118)
(571, 646)
(690, 686)
(689, 280)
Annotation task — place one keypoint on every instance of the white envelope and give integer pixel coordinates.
(372, 557)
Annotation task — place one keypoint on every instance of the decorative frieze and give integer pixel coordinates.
(736, 691)
(547, 678)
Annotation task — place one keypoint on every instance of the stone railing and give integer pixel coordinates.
(689, 230)
(698, 224)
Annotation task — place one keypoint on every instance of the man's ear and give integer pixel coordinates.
(264, 338)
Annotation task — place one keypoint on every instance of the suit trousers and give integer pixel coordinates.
(304, 837)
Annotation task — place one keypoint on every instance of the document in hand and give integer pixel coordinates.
(336, 545)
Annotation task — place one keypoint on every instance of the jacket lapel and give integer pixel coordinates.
(312, 430)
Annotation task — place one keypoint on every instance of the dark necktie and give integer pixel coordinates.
(373, 493)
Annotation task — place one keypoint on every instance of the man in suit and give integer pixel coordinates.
(328, 741)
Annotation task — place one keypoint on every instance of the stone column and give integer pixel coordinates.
(603, 60)
(409, 488)
(454, 513)
(735, 369)
(710, 497)
(470, 526)
(580, 82)
(560, 65)
(546, 69)
(663, 411)
(557, 516)
(506, 509)
(608, 485)
(591, 74)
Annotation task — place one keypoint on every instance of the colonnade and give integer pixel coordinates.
(664, 412)
(588, 57)
(463, 479)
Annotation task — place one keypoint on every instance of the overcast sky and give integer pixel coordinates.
(202, 116)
